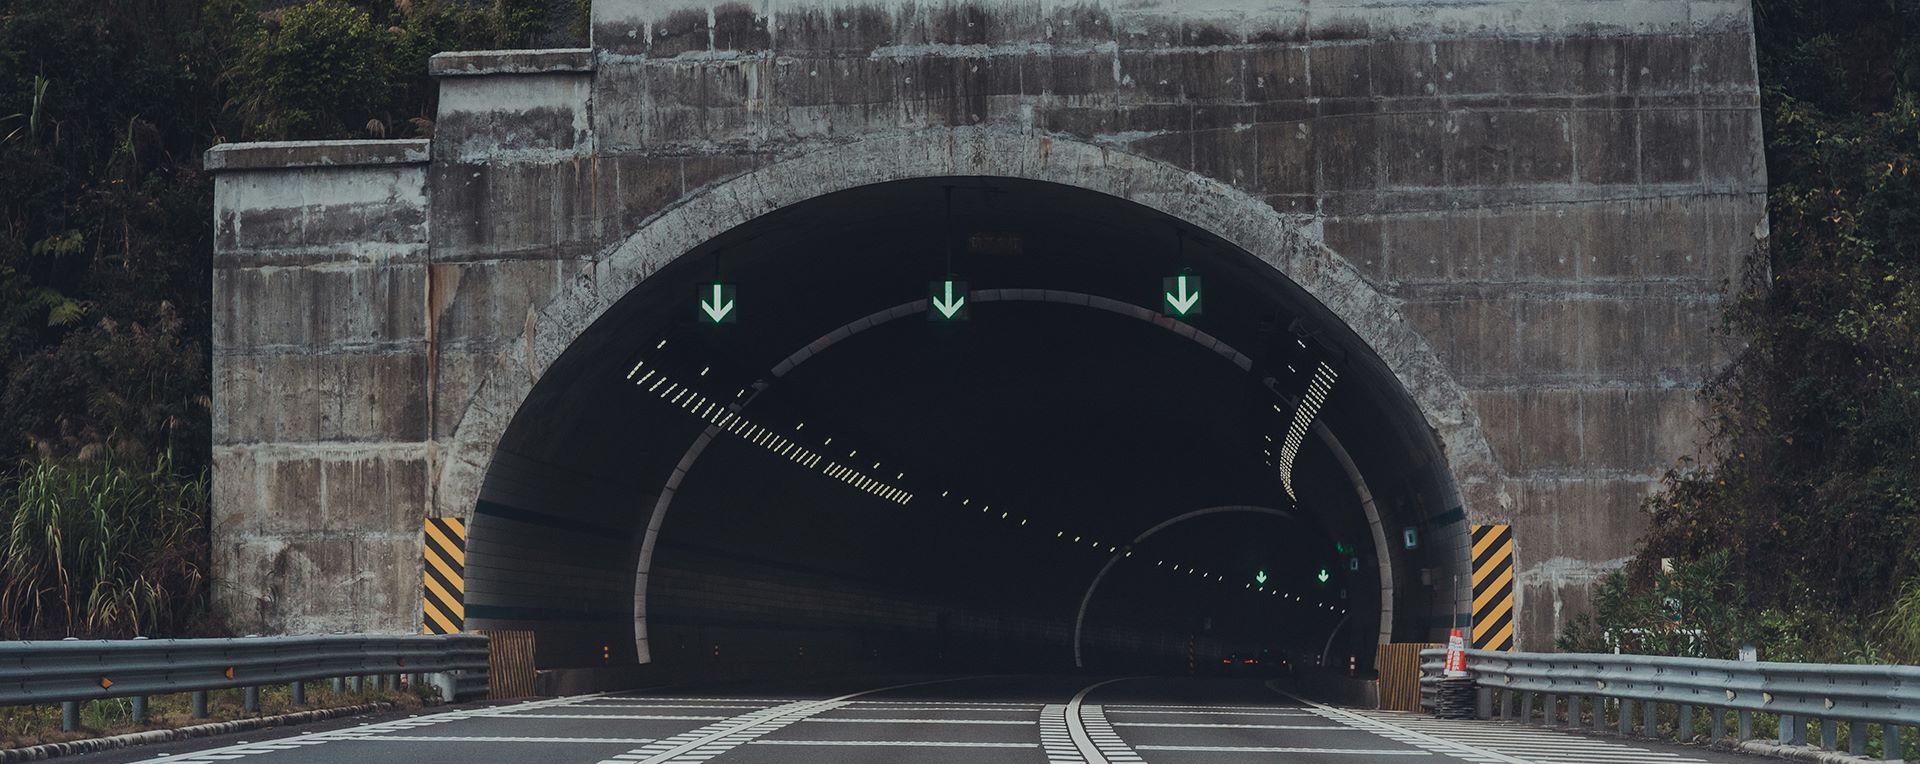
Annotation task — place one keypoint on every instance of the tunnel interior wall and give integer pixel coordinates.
(1552, 193)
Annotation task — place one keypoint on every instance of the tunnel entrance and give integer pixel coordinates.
(1067, 476)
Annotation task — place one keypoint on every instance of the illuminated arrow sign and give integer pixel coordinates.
(716, 303)
(948, 300)
(1324, 575)
(1260, 578)
(1180, 296)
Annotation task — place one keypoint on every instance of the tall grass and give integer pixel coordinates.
(95, 548)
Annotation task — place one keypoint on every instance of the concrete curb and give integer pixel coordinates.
(92, 745)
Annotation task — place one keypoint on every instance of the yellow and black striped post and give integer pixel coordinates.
(444, 586)
(1493, 587)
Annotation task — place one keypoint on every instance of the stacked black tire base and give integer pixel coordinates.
(1454, 699)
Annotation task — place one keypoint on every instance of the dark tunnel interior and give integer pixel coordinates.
(836, 478)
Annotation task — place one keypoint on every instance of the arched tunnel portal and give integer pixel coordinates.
(833, 477)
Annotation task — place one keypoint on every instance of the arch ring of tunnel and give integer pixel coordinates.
(792, 359)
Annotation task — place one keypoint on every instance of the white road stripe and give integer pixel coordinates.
(1319, 727)
(631, 717)
(716, 739)
(1278, 749)
(845, 720)
(898, 743)
(1299, 714)
(497, 739)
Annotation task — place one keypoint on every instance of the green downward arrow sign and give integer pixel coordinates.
(1260, 578)
(720, 308)
(1323, 576)
(949, 300)
(1180, 296)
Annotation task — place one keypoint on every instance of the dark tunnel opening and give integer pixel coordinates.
(833, 478)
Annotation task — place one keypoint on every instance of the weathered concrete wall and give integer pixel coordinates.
(321, 453)
(1550, 194)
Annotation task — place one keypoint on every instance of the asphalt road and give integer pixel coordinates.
(964, 720)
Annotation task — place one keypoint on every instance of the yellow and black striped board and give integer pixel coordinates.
(443, 589)
(1493, 587)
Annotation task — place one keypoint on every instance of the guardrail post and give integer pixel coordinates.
(1829, 735)
(1526, 706)
(1506, 704)
(139, 709)
(1786, 729)
(1857, 738)
(1718, 727)
(1746, 725)
(1686, 721)
(1649, 719)
(250, 699)
(339, 685)
(299, 689)
(359, 684)
(1626, 716)
(1599, 713)
(70, 716)
(1483, 702)
(1890, 742)
(446, 683)
(199, 704)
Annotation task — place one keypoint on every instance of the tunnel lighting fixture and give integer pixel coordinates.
(800, 426)
(1303, 416)
(731, 421)
(662, 345)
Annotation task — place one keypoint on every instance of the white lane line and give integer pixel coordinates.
(1087, 728)
(1026, 706)
(1319, 727)
(1277, 749)
(718, 738)
(627, 717)
(896, 743)
(1054, 738)
(1134, 707)
(1404, 735)
(364, 731)
(1549, 746)
(726, 706)
(978, 709)
(1297, 714)
(845, 720)
(496, 739)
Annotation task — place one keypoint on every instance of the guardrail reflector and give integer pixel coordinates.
(1493, 587)
(443, 582)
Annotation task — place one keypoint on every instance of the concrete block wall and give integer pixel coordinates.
(1552, 194)
(320, 418)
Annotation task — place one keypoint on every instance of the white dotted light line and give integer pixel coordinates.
(726, 416)
(1303, 416)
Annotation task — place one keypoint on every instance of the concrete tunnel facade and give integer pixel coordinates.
(1507, 228)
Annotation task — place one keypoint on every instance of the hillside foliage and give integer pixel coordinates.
(106, 247)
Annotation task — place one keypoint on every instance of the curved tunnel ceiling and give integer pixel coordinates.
(946, 468)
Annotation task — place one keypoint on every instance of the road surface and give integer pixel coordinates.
(939, 720)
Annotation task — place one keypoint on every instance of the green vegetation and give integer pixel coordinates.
(1800, 531)
(33, 725)
(105, 262)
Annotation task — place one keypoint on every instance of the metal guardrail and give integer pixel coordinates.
(1796, 693)
(72, 671)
